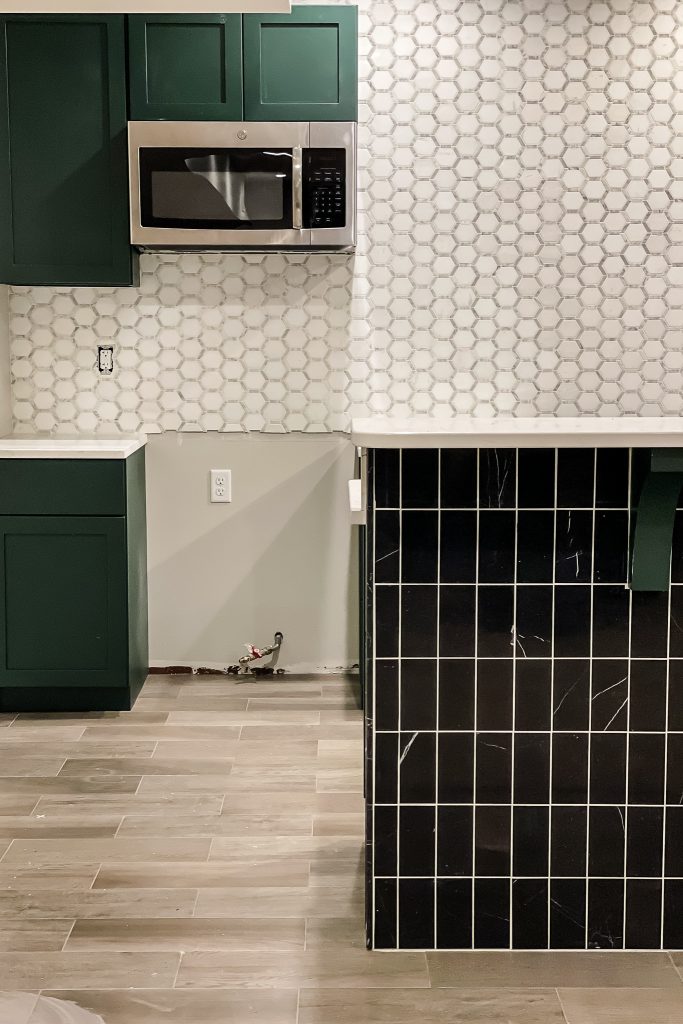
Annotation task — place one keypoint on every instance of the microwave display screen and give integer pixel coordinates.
(216, 188)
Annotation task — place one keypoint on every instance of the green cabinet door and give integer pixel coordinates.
(185, 67)
(63, 152)
(63, 603)
(302, 66)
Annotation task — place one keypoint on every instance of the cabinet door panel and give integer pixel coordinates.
(63, 601)
(301, 66)
(185, 67)
(63, 162)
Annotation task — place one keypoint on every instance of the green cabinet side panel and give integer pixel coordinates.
(63, 601)
(302, 66)
(136, 536)
(63, 159)
(185, 67)
(62, 487)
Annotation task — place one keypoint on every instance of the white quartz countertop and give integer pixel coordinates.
(521, 432)
(37, 447)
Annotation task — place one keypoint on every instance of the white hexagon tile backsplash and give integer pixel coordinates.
(520, 252)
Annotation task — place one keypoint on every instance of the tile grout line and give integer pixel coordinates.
(400, 682)
(628, 699)
(514, 631)
(438, 703)
(665, 781)
(551, 709)
(476, 691)
(590, 699)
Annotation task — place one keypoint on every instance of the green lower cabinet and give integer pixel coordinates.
(63, 151)
(185, 67)
(73, 605)
(302, 66)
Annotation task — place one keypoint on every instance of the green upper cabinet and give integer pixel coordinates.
(63, 158)
(302, 66)
(185, 67)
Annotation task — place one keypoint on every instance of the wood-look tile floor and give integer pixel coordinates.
(199, 861)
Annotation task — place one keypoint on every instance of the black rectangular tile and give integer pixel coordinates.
(456, 768)
(386, 621)
(491, 913)
(608, 768)
(568, 840)
(574, 546)
(567, 913)
(417, 767)
(459, 478)
(492, 841)
(643, 913)
(674, 774)
(570, 768)
(530, 841)
(385, 913)
(649, 625)
(646, 768)
(387, 546)
(454, 913)
(494, 694)
(386, 474)
(673, 913)
(386, 694)
(455, 840)
(496, 617)
(532, 695)
(571, 694)
(419, 547)
(640, 468)
(456, 694)
(419, 478)
(575, 474)
(497, 471)
(536, 470)
(612, 478)
(677, 550)
(385, 839)
(675, 695)
(496, 547)
(605, 913)
(676, 646)
(645, 830)
(535, 547)
(648, 696)
(458, 547)
(610, 559)
(418, 694)
(418, 621)
(532, 768)
(610, 622)
(609, 704)
(416, 841)
(386, 767)
(534, 621)
(416, 925)
(674, 841)
(572, 621)
(457, 620)
(530, 913)
(606, 841)
(494, 768)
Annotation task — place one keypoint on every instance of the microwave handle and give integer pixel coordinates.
(297, 189)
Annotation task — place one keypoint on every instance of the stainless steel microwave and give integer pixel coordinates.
(235, 186)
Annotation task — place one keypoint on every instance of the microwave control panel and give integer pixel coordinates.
(324, 187)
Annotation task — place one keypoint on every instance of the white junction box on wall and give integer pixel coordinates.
(221, 485)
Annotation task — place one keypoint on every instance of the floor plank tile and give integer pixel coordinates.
(278, 872)
(272, 901)
(75, 851)
(558, 970)
(17, 1007)
(87, 970)
(157, 934)
(120, 903)
(141, 766)
(27, 936)
(622, 1006)
(226, 824)
(176, 1006)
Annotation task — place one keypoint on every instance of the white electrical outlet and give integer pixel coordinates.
(221, 485)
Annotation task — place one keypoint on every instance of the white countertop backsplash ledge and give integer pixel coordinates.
(519, 432)
(37, 447)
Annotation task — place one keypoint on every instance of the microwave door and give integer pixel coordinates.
(253, 196)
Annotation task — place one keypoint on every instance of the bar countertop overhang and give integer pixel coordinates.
(519, 432)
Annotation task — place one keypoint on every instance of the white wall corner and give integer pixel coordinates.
(5, 395)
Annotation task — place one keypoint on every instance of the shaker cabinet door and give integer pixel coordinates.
(185, 67)
(302, 66)
(63, 152)
(63, 603)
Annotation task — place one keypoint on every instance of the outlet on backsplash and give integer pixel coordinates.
(105, 359)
